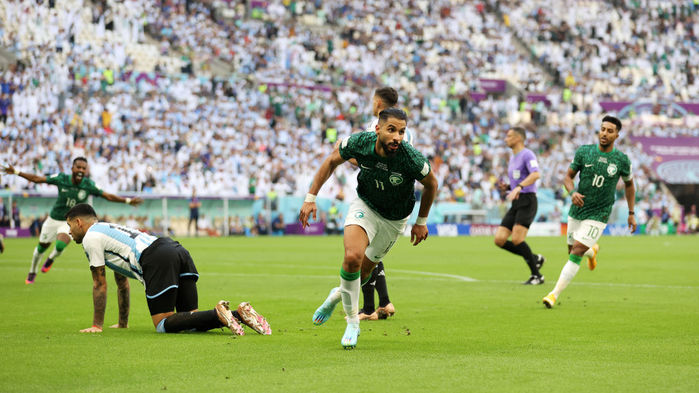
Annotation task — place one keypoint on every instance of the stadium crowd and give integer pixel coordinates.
(106, 81)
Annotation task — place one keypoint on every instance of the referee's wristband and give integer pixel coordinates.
(128, 201)
(631, 212)
(421, 221)
(310, 198)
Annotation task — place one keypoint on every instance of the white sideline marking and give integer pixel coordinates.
(454, 276)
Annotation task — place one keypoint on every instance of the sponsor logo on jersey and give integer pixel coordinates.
(359, 215)
(82, 194)
(516, 173)
(588, 165)
(364, 166)
(611, 169)
(382, 166)
(395, 178)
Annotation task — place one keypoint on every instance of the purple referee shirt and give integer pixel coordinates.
(521, 165)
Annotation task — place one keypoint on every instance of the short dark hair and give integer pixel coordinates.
(388, 95)
(520, 131)
(613, 120)
(81, 158)
(392, 112)
(81, 210)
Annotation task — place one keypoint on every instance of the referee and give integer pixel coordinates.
(523, 171)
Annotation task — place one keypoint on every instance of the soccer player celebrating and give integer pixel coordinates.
(384, 98)
(523, 171)
(72, 189)
(163, 266)
(376, 219)
(600, 167)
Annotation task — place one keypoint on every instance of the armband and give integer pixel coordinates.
(16, 171)
(128, 201)
(421, 221)
(310, 198)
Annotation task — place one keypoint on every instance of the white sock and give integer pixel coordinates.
(55, 253)
(569, 271)
(589, 253)
(349, 291)
(35, 260)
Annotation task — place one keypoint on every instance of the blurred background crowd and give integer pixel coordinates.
(246, 98)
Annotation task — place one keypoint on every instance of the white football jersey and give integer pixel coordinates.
(117, 247)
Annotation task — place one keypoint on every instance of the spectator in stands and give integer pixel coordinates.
(15, 214)
(4, 214)
(691, 220)
(236, 227)
(35, 226)
(278, 225)
(261, 224)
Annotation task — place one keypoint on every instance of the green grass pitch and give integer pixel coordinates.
(631, 325)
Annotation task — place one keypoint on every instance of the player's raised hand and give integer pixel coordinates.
(632, 223)
(307, 209)
(578, 199)
(9, 169)
(92, 329)
(418, 233)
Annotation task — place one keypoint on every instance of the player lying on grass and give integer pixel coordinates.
(163, 266)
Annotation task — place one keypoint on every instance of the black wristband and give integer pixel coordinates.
(631, 212)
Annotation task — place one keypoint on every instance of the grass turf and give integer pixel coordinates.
(630, 325)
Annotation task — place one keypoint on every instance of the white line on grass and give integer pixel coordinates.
(432, 276)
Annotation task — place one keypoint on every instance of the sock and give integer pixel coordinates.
(60, 246)
(381, 288)
(569, 271)
(589, 253)
(523, 250)
(197, 320)
(368, 293)
(38, 251)
(349, 289)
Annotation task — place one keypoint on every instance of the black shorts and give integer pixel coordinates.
(166, 265)
(522, 211)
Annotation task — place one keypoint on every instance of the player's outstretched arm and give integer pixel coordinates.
(419, 231)
(630, 193)
(326, 169)
(123, 294)
(116, 198)
(569, 184)
(11, 170)
(99, 299)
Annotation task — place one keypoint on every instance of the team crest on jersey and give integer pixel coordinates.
(359, 215)
(395, 178)
(611, 169)
(82, 194)
(516, 173)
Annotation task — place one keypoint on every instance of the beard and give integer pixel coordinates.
(389, 152)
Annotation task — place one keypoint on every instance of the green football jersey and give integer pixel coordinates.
(599, 175)
(69, 194)
(386, 184)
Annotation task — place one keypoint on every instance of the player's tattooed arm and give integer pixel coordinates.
(99, 296)
(123, 294)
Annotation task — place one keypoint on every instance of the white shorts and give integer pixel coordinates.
(51, 228)
(586, 232)
(382, 233)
